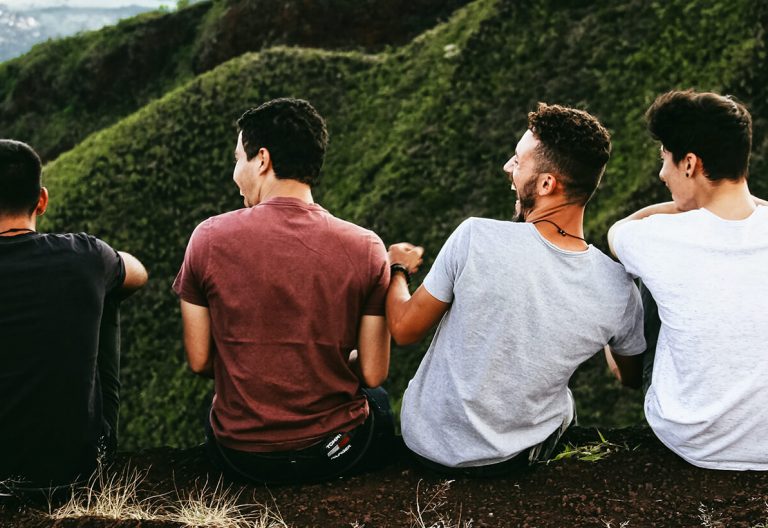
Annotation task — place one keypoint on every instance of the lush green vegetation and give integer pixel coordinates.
(418, 138)
(64, 90)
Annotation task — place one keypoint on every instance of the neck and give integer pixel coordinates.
(16, 222)
(287, 189)
(730, 200)
(568, 217)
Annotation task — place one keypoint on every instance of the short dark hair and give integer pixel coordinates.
(574, 145)
(20, 178)
(718, 129)
(293, 132)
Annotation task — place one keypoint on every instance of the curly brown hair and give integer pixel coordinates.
(573, 145)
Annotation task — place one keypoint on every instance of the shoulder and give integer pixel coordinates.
(610, 269)
(353, 232)
(659, 223)
(220, 225)
(476, 228)
(78, 242)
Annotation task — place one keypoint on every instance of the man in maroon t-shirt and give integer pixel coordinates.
(274, 299)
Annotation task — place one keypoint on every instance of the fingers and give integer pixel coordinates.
(407, 255)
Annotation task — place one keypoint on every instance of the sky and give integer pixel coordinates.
(24, 4)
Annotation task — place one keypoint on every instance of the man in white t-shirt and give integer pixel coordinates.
(519, 304)
(703, 256)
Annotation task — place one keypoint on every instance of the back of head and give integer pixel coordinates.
(715, 128)
(573, 145)
(293, 132)
(20, 181)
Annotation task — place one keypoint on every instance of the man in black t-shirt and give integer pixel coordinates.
(59, 358)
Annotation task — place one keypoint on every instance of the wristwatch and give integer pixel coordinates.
(399, 268)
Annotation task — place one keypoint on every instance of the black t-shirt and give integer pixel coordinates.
(52, 289)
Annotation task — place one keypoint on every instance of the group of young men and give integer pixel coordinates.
(291, 311)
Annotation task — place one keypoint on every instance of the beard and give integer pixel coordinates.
(526, 201)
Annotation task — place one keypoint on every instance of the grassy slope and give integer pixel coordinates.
(63, 90)
(418, 136)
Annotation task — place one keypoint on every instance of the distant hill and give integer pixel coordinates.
(63, 90)
(21, 29)
(418, 137)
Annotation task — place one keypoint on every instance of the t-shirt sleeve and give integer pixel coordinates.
(629, 245)
(629, 339)
(379, 268)
(113, 265)
(449, 264)
(189, 284)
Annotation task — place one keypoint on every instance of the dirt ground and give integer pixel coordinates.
(638, 483)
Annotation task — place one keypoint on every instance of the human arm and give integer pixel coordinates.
(198, 340)
(372, 361)
(136, 275)
(627, 369)
(410, 317)
(660, 208)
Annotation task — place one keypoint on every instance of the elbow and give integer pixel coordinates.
(201, 368)
(401, 335)
(373, 380)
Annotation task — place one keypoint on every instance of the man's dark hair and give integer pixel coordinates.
(20, 178)
(716, 128)
(293, 133)
(574, 145)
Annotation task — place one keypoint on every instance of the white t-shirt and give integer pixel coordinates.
(524, 314)
(708, 401)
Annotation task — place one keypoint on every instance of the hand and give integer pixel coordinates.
(406, 254)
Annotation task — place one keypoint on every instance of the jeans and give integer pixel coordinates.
(368, 446)
(108, 362)
(108, 376)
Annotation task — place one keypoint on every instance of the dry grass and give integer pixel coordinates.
(710, 519)
(111, 496)
(116, 496)
(218, 507)
(429, 511)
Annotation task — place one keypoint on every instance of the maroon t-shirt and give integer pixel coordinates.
(286, 284)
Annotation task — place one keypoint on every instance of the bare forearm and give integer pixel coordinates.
(659, 208)
(398, 296)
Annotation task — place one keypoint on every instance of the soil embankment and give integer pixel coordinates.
(636, 482)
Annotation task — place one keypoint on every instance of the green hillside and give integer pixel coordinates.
(418, 138)
(63, 90)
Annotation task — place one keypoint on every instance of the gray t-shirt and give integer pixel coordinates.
(524, 314)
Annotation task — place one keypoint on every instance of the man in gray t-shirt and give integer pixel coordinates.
(520, 305)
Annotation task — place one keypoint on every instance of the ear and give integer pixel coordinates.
(264, 159)
(42, 202)
(546, 184)
(691, 165)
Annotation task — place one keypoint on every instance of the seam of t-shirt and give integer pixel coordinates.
(732, 223)
(292, 202)
(433, 294)
(20, 238)
(565, 252)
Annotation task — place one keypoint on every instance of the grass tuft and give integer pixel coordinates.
(429, 512)
(218, 507)
(592, 451)
(111, 496)
(116, 496)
